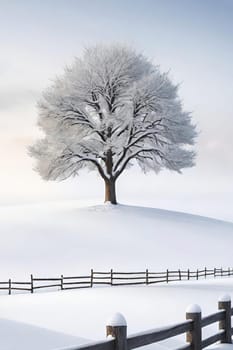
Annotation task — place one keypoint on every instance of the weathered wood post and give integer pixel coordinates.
(188, 276)
(147, 276)
(111, 277)
(62, 282)
(92, 275)
(193, 312)
(32, 286)
(117, 328)
(224, 303)
(167, 276)
(179, 274)
(9, 286)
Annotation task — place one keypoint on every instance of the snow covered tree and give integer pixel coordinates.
(110, 109)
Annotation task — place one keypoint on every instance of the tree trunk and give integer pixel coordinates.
(110, 191)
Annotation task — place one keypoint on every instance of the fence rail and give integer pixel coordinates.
(111, 278)
(192, 328)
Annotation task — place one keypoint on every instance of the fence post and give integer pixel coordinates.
(61, 282)
(147, 276)
(179, 274)
(167, 276)
(117, 328)
(197, 275)
(9, 286)
(193, 312)
(205, 272)
(188, 274)
(92, 273)
(214, 272)
(111, 277)
(224, 303)
(32, 284)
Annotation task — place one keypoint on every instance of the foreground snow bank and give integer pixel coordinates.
(17, 335)
(53, 239)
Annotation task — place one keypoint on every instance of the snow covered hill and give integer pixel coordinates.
(62, 238)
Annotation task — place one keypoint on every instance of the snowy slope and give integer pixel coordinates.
(61, 238)
(17, 335)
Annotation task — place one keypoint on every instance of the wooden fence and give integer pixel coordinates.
(111, 278)
(117, 330)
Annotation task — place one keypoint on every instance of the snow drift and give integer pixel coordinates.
(24, 336)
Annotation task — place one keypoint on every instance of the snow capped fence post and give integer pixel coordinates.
(193, 312)
(224, 303)
(117, 328)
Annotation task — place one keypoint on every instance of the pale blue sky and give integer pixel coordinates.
(191, 38)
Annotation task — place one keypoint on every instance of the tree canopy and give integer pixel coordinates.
(111, 108)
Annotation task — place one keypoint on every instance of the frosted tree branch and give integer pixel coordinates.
(112, 106)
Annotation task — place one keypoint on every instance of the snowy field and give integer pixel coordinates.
(48, 240)
(75, 316)
(61, 238)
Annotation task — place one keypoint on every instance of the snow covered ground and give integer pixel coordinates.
(27, 337)
(85, 313)
(54, 238)
(62, 238)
